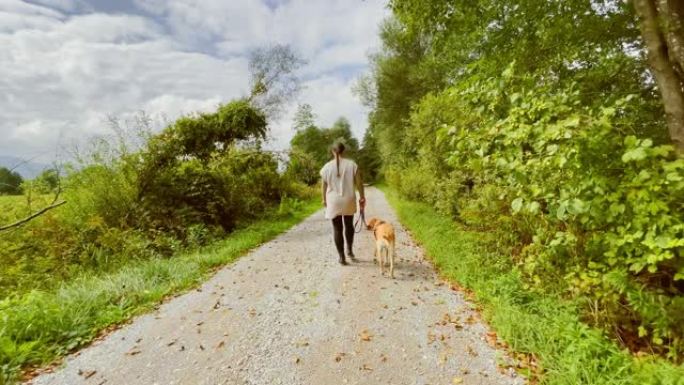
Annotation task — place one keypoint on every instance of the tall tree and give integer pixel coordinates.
(273, 77)
(662, 28)
(304, 117)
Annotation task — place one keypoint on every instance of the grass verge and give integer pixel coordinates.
(40, 326)
(545, 326)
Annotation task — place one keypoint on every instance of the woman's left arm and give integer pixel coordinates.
(324, 189)
(359, 186)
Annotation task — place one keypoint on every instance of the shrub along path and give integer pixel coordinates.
(287, 313)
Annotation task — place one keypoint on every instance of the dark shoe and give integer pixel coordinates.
(343, 262)
(351, 256)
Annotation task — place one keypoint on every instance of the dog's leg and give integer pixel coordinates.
(378, 255)
(384, 258)
(390, 255)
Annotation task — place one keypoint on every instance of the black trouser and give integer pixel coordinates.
(348, 233)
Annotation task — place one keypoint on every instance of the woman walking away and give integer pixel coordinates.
(340, 176)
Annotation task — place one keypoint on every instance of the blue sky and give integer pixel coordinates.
(68, 64)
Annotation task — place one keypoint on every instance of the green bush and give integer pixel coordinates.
(194, 182)
(544, 326)
(221, 191)
(591, 210)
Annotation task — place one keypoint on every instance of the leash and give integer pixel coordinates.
(361, 219)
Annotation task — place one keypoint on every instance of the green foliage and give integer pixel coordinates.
(204, 134)
(10, 182)
(38, 326)
(304, 117)
(584, 207)
(236, 185)
(537, 121)
(303, 167)
(368, 157)
(45, 183)
(192, 173)
(541, 324)
(197, 180)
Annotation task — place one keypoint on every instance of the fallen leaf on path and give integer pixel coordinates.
(491, 339)
(133, 352)
(431, 337)
(220, 345)
(172, 343)
(443, 357)
(365, 336)
(86, 373)
(365, 367)
(297, 360)
(457, 380)
(302, 343)
(447, 319)
(470, 351)
(338, 357)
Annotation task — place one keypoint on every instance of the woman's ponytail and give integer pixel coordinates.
(338, 149)
(337, 161)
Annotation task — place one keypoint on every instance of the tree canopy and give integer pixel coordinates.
(554, 124)
(10, 182)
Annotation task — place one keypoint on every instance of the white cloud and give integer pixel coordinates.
(17, 15)
(64, 5)
(63, 73)
(174, 105)
(19, 7)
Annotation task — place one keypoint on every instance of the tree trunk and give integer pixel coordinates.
(672, 12)
(663, 66)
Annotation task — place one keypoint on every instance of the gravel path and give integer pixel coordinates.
(288, 313)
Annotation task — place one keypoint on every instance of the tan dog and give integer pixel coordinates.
(384, 241)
